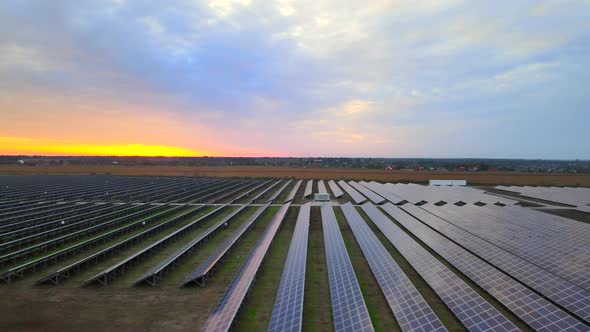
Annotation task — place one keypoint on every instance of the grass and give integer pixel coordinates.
(260, 300)
(381, 315)
(317, 308)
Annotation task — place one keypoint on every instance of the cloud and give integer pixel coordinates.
(381, 78)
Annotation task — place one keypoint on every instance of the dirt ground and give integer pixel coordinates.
(27, 308)
(505, 178)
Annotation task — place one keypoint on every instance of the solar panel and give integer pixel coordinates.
(570, 196)
(279, 191)
(468, 306)
(348, 306)
(564, 293)
(260, 194)
(227, 308)
(291, 195)
(204, 269)
(335, 189)
(409, 307)
(322, 187)
(367, 192)
(415, 193)
(533, 309)
(353, 193)
(104, 276)
(308, 188)
(382, 190)
(155, 274)
(552, 250)
(66, 271)
(287, 312)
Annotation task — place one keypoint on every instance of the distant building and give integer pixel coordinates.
(447, 182)
(321, 197)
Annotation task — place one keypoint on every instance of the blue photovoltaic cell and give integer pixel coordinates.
(287, 313)
(469, 307)
(533, 309)
(348, 306)
(353, 193)
(291, 195)
(227, 308)
(322, 187)
(367, 192)
(308, 188)
(409, 307)
(561, 291)
(557, 247)
(335, 189)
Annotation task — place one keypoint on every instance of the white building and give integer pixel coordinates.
(321, 197)
(447, 182)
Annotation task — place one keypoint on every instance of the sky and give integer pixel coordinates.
(403, 78)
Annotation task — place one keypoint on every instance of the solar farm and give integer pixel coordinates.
(146, 253)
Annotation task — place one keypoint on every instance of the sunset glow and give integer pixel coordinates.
(13, 145)
(383, 78)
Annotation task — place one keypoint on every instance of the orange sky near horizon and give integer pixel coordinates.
(28, 146)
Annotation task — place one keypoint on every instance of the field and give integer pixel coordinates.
(482, 178)
(39, 216)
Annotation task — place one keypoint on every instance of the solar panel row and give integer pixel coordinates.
(468, 306)
(249, 191)
(100, 187)
(564, 293)
(371, 195)
(559, 258)
(561, 233)
(98, 209)
(322, 187)
(155, 274)
(19, 270)
(127, 214)
(409, 307)
(121, 216)
(202, 272)
(66, 271)
(335, 189)
(349, 310)
(308, 188)
(291, 195)
(262, 193)
(279, 191)
(353, 193)
(287, 313)
(533, 309)
(104, 276)
(383, 192)
(35, 234)
(567, 195)
(415, 193)
(227, 308)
